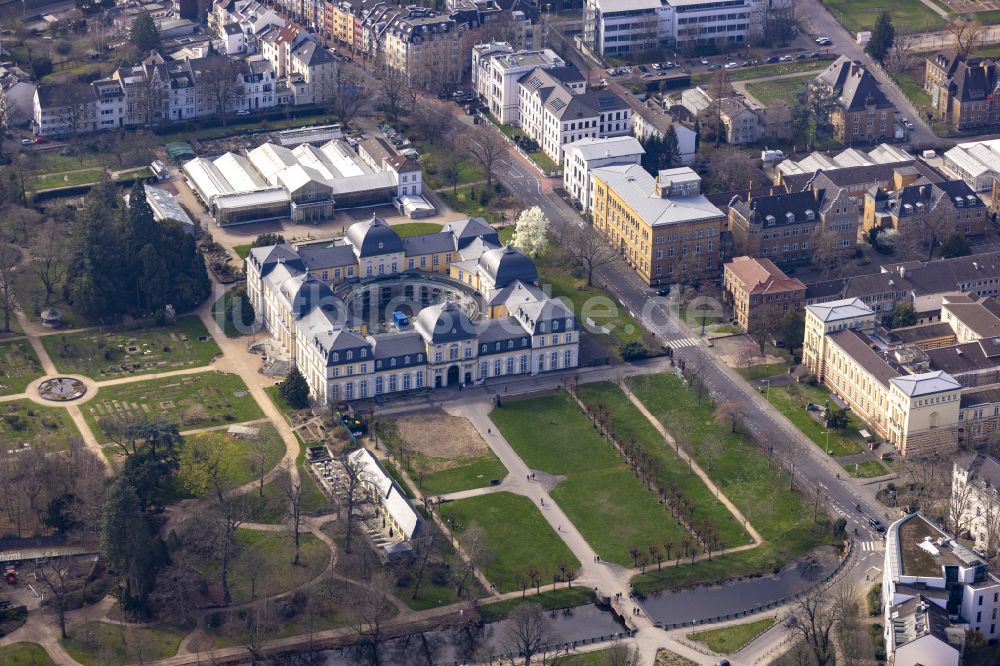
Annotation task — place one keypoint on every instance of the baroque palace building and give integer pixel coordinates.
(377, 314)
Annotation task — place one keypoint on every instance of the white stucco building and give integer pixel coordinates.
(585, 154)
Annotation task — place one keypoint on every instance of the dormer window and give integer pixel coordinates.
(810, 216)
(392, 363)
(483, 349)
(349, 355)
(335, 357)
(378, 365)
(406, 360)
(555, 325)
(790, 216)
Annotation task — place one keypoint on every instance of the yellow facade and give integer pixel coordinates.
(677, 252)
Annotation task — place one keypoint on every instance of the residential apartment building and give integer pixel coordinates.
(619, 27)
(664, 227)
(743, 120)
(582, 156)
(786, 227)
(556, 109)
(934, 590)
(963, 90)
(909, 207)
(497, 71)
(862, 112)
(301, 64)
(516, 329)
(758, 289)
(925, 389)
(975, 497)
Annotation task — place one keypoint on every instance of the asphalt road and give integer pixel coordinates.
(814, 469)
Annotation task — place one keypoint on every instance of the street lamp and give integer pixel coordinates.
(828, 450)
(767, 389)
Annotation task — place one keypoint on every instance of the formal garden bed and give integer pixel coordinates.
(19, 366)
(115, 352)
(194, 401)
(22, 422)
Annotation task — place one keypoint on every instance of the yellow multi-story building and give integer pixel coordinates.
(664, 227)
(921, 399)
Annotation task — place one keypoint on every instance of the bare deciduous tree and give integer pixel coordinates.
(218, 77)
(9, 258)
(589, 251)
(528, 630)
(818, 612)
(293, 493)
(732, 411)
(48, 258)
(484, 144)
(352, 496)
(55, 574)
(968, 32)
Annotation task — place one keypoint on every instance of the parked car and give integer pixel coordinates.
(786, 58)
(907, 124)
(704, 61)
(243, 112)
(814, 54)
(801, 56)
(41, 139)
(732, 65)
(26, 142)
(825, 42)
(822, 38)
(772, 59)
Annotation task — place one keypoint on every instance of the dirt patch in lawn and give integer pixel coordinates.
(441, 437)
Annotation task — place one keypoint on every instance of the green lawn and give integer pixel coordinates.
(432, 159)
(907, 15)
(25, 422)
(605, 501)
(195, 401)
(868, 469)
(631, 425)
(791, 400)
(911, 82)
(278, 574)
(443, 475)
(105, 644)
(408, 229)
(463, 202)
(19, 366)
(541, 159)
(273, 506)
(132, 174)
(763, 71)
(742, 473)
(25, 654)
(777, 91)
(564, 597)
(604, 310)
(53, 180)
(107, 353)
(516, 533)
(764, 370)
(219, 314)
(239, 456)
(730, 639)
(242, 251)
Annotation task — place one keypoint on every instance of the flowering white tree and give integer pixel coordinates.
(531, 232)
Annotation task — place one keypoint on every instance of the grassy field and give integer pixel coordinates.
(116, 352)
(743, 474)
(730, 639)
(408, 229)
(23, 421)
(605, 501)
(869, 469)
(541, 159)
(463, 202)
(631, 425)
(791, 401)
(276, 551)
(52, 180)
(777, 91)
(755, 372)
(25, 654)
(239, 456)
(564, 597)
(911, 82)
(516, 533)
(604, 310)
(19, 366)
(196, 401)
(242, 251)
(764, 71)
(104, 644)
(907, 15)
(432, 159)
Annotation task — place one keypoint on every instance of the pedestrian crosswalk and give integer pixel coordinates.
(868, 546)
(683, 342)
